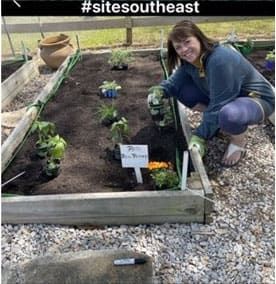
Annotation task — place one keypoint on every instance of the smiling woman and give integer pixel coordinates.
(219, 81)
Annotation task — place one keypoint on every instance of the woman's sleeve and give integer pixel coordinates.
(224, 81)
(172, 86)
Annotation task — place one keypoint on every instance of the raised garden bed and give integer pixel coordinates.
(89, 167)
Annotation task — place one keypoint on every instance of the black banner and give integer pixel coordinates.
(137, 8)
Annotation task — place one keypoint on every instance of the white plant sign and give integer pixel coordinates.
(135, 156)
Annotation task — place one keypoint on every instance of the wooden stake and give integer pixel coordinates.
(78, 43)
(24, 51)
(138, 174)
(184, 170)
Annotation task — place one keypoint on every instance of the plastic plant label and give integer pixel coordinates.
(134, 156)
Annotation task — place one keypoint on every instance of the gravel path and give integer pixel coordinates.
(237, 247)
(27, 96)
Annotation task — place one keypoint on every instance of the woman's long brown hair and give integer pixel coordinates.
(180, 32)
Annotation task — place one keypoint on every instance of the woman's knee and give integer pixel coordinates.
(230, 120)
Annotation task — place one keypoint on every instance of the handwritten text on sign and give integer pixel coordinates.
(134, 156)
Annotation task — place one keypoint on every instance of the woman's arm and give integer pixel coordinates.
(172, 86)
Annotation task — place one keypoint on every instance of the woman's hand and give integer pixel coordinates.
(199, 143)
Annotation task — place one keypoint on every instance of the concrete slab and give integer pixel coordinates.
(83, 267)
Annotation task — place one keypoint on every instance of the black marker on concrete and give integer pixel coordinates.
(129, 261)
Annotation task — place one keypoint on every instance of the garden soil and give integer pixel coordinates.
(9, 69)
(89, 165)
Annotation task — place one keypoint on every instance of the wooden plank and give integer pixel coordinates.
(105, 208)
(96, 24)
(67, 26)
(197, 163)
(19, 132)
(15, 83)
(163, 21)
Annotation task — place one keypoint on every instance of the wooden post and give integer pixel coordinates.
(8, 35)
(24, 51)
(128, 31)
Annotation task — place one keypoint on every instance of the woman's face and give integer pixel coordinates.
(188, 49)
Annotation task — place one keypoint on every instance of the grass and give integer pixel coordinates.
(148, 36)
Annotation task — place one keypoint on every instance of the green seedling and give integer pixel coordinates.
(167, 119)
(119, 131)
(49, 145)
(120, 58)
(110, 85)
(57, 146)
(107, 114)
(44, 130)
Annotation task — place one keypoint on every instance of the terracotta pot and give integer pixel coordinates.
(55, 49)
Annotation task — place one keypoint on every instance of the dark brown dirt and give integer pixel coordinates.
(88, 165)
(8, 69)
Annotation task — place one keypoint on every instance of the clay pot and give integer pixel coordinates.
(55, 49)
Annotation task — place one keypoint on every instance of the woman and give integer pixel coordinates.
(219, 81)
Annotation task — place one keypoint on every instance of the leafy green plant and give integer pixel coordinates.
(110, 85)
(120, 57)
(119, 131)
(57, 146)
(163, 175)
(270, 55)
(50, 145)
(165, 178)
(167, 119)
(45, 130)
(156, 95)
(155, 101)
(107, 114)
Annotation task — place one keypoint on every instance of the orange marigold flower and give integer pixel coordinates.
(159, 165)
